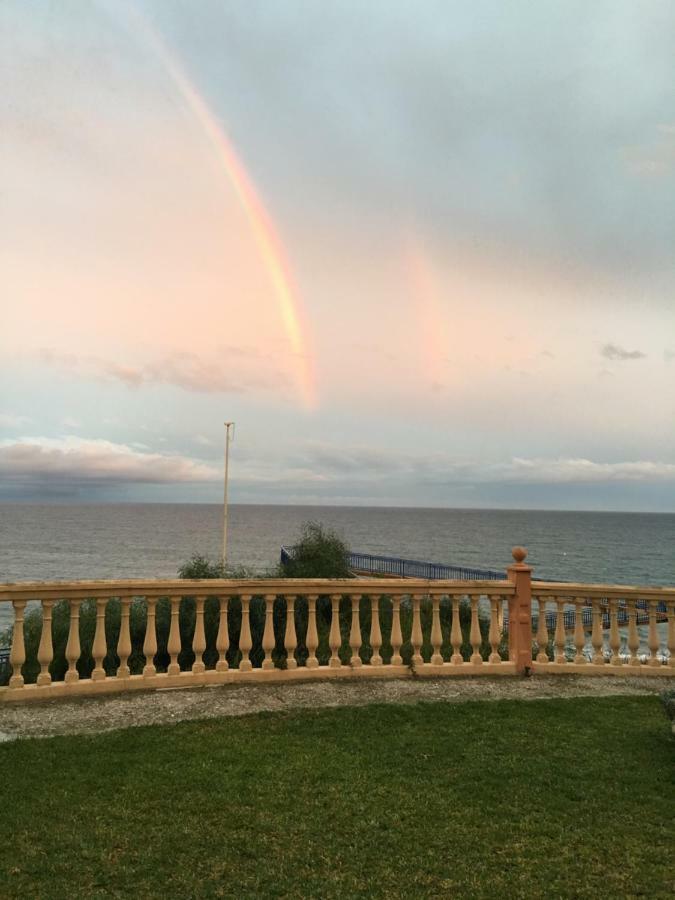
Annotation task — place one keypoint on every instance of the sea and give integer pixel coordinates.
(151, 540)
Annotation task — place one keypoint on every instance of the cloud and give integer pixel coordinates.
(10, 420)
(577, 471)
(351, 466)
(80, 461)
(70, 465)
(613, 351)
(239, 370)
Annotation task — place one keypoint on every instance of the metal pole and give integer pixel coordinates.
(228, 425)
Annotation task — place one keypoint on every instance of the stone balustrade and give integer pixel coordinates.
(143, 635)
(595, 629)
(307, 629)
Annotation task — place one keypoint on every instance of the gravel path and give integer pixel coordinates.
(94, 715)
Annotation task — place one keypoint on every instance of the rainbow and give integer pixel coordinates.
(428, 307)
(264, 233)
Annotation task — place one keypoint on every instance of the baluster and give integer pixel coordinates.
(223, 637)
(579, 636)
(416, 633)
(436, 632)
(245, 641)
(671, 633)
(150, 641)
(633, 637)
(475, 636)
(17, 655)
(375, 631)
(290, 638)
(355, 632)
(199, 639)
(46, 648)
(494, 630)
(396, 639)
(268, 633)
(73, 645)
(596, 634)
(456, 634)
(560, 632)
(653, 636)
(312, 639)
(542, 632)
(124, 642)
(173, 645)
(99, 649)
(614, 636)
(334, 637)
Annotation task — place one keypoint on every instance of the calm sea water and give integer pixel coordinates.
(69, 542)
(40, 542)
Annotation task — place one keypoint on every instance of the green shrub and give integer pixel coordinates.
(320, 553)
(199, 566)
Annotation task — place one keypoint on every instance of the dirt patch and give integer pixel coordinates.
(94, 715)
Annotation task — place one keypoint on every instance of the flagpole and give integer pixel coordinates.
(228, 425)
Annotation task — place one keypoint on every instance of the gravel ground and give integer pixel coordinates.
(94, 715)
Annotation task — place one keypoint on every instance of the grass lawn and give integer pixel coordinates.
(547, 798)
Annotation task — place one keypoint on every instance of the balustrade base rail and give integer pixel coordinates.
(642, 670)
(211, 678)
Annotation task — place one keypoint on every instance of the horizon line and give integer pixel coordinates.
(498, 509)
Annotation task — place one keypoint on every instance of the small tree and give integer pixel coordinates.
(320, 553)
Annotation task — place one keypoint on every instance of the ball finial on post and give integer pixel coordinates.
(519, 554)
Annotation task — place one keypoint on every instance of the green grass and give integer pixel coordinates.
(564, 798)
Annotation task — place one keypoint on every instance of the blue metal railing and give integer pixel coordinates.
(409, 568)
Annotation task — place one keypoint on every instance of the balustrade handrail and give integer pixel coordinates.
(573, 590)
(85, 590)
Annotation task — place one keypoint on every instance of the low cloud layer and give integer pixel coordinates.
(334, 463)
(79, 462)
(73, 468)
(353, 472)
(614, 352)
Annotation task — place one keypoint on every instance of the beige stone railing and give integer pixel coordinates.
(610, 643)
(235, 600)
(416, 627)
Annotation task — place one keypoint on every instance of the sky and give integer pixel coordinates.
(420, 252)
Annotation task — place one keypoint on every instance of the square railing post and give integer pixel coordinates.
(520, 612)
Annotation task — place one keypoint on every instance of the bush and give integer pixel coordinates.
(199, 566)
(320, 553)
